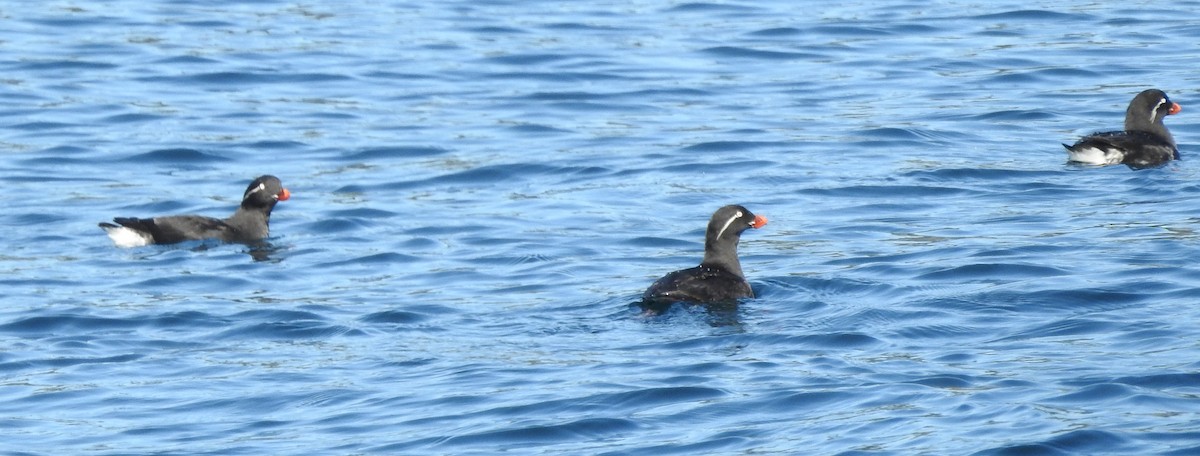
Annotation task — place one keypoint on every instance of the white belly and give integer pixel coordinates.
(1095, 156)
(125, 237)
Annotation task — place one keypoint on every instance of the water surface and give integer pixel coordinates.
(482, 190)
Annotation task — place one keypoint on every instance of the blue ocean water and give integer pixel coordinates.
(483, 189)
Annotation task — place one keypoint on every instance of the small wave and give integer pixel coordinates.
(377, 153)
(851, 31)
(362, 212)
(288, 330)
(394, 317)
(1070, 327)
(940, 332)
(376, 259)
(198, 282)
(180, 155)
(490, 174)
(283, 324)
(62, 362)
(840, 340)
(746, 53)
(36, 219)
(51, 324)
(45, 325)
(577, 26)
(1008, 77)
(537, 129)
(275, 145)
(1092, 394)
(650, 397)
(790, 402)
(732, 146)
(777, 32)
(993, 272)
(1042, 15)
(1161, 381)
(335, 225)
(910, 134)
(55, 161)
(566, 96)
(247, 78)
(1015, 115)
(888, 191)
(132, 118)
(527, 59)
(59, 65)
(495, 173)
(64, 150)
(701, 7)
(186, 60)
(658, 242)
(586, 428)
(945, 381)
(559, 76)
(156, 207)
(1087, 441)
(41, 126)
(496, 30)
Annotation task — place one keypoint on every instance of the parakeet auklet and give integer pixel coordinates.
(1144, 143)
(718, 279)
(248, 224)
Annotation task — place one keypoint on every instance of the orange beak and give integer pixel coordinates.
(1175, 108)
(759, 222)
(284, 195)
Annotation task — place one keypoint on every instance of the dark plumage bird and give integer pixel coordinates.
(718, 279)
(248, 224)
(1145, 142)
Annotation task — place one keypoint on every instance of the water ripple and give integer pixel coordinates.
(482, 190)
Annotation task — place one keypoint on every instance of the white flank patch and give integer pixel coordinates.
(1094, 156)
(126, 237)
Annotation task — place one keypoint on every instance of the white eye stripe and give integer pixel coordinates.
(261, 187)
(729, 222)
(1154, 112)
